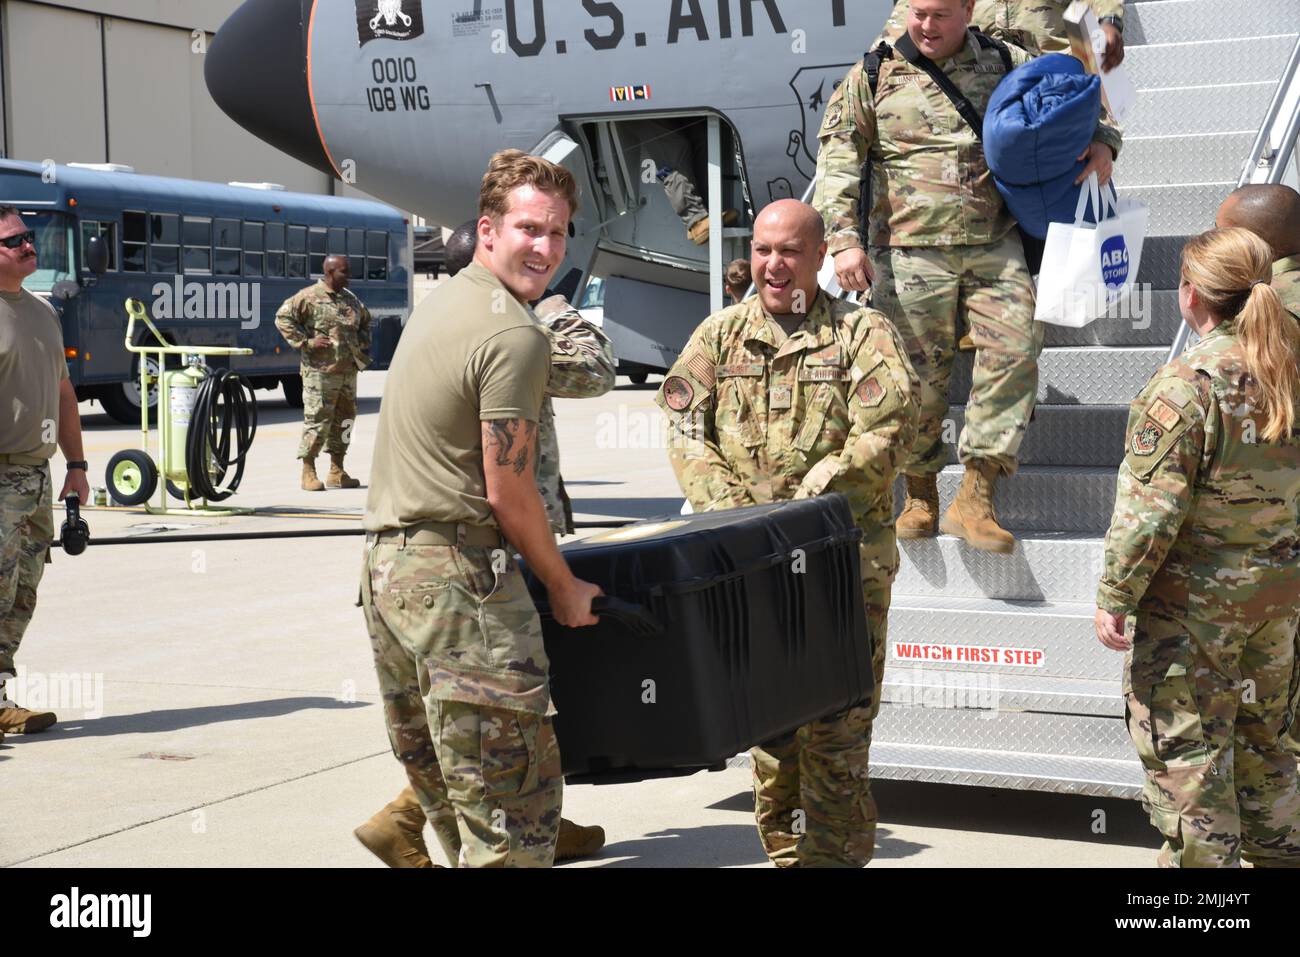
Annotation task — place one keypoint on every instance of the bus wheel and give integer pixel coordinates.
(121, 400)
(131, 477)
(639, 378)
(292, 391)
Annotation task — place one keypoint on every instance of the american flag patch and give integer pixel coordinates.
(701, 368)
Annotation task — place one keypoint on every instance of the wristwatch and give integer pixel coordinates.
(1116, 22)
(84, 466)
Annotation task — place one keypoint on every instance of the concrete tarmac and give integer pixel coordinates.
(218, 705)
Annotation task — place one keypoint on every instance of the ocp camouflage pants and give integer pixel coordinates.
(329, 406)
(26, 531)
(1207, 708)
(486, 773)
(812, 792)
(932, 294)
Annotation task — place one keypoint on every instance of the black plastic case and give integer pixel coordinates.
(722, 630)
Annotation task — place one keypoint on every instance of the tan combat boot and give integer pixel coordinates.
(16, 720)
(575, 841)
(395, 835)
(699, 233)
(971, 515)
(310, 482)
(920, 515)
(337, 478)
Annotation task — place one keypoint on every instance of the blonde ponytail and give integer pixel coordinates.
(1231, 270)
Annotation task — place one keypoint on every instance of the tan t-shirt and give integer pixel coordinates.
(31, 367)
(470, 352)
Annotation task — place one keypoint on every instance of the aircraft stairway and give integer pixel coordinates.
(1047, 713)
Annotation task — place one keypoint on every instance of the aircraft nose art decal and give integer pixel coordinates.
(812, 86)
(390, 19)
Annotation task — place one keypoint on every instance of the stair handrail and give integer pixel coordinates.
(1265, 162)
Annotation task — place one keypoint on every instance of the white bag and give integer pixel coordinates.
(1087, 269)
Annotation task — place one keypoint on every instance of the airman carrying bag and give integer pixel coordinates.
(720, 631)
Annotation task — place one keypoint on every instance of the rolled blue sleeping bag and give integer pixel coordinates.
(1041, 117)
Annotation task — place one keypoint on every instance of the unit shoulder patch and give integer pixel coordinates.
(678, 393)
(1147, 438)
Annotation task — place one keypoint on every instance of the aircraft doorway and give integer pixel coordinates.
(661, 184)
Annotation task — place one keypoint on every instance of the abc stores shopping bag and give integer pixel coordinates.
(1086, 267)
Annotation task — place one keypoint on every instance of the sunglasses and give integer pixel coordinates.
(17, 240)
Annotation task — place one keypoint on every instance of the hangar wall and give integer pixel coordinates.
(121, 81)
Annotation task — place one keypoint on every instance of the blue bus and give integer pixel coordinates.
(212, 263)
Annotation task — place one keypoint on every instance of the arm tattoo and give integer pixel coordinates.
(505, 433)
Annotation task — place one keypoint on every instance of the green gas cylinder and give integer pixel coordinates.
(180, 388)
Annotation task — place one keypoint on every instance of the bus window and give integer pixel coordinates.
(107, 232)
(135, 236)
(254, 248)
(376, 255)
(275, 250)
(198, 244)
(226, 252)
(298, 252)
(338, 242)
(357, 253)
(54, 239)
(165, 243)
(318, 238)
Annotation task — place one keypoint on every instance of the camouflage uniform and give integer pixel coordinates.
(463, 675)
(26, 532)
(582, 367)
(1204, 551)
(329, 375)
(1286, 280)
(942, 245)
(1036, 25)
(757, 417)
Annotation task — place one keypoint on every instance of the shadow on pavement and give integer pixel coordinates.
(158, 722)
(1067, 817)
(716, 845)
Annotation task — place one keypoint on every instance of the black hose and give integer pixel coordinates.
(224, 408)
(304, 533)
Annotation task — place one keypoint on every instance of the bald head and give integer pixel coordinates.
(337, 272)
(791, 216)
(1270, 211)
(461, 245)
(788, 250)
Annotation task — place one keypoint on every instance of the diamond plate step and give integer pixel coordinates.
(1044, 567)
(915, 685)
(1149, 317)
(1063, 435)
(1154, 160)
(1162, 256)
(1210, 109)
(1262, 57)
(1041, 498)
(1078, 375)
(1171, 21)
(1059, 774)
(1179, 210)
(1029, 732)
(1062, 631)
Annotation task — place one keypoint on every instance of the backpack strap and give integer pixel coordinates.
(871, 61)
(974, 119)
